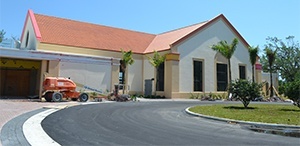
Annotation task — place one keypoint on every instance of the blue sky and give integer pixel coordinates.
(254, 19)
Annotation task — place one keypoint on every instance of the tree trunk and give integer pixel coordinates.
(229, 83)
(229, 70)
(124, 80)
(271, 81)
(156, 80)
(253, 80)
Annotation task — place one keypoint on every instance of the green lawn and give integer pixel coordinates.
(266, 113)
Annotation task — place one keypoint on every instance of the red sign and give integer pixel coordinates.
(258, 66)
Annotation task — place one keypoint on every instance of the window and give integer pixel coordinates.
(27, 39)
(198, 78)
(160, 77)
(121, 76)
(222, 77)
(242, 70)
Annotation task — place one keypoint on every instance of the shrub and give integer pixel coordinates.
(195, 96)
(292, 91)
(155, 97)
(245, 90)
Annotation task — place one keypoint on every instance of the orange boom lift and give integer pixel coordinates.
(56, 88)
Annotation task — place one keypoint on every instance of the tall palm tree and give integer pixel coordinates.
(227, 50)
(124, 62)
(156, 61)
(253, 52)
(271, 58)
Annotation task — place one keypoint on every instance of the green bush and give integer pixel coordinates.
(245, 91)
(155, 97)
(292, 91)
(195, 96)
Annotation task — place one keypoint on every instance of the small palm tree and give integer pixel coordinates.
(271, 58)
(156, 61)
(124, 62)
(253, 52)
(227, 50)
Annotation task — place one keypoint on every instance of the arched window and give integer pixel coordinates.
(27, 39)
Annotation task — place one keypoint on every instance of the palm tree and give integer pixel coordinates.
(227, 51)
(156, 61)
(271, 58)
(124, 62)
(253, 51)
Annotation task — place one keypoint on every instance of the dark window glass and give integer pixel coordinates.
(121, 76)
(242, 70)
(222, 77)
(160, 77)
(27, 39)
(198, 83)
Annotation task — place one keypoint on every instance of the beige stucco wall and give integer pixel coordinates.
(135, 76)
(53, 68)
(95, 76)
(135, 72)
(82, 51)
(198, 47)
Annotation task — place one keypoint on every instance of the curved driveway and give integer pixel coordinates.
(148, 123)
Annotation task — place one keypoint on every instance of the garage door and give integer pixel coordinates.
(18, 77)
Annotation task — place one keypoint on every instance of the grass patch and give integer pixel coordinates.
(266, 113)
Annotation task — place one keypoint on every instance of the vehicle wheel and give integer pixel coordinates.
(74, 99)
(57, 97)
(83, 97)
(48, 96)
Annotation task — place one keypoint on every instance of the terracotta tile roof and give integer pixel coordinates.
(163, 41)
(80, 34)
(67, 32)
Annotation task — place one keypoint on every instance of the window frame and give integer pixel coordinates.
(218, 74)
(201, 80)
(160, 73)
(245, 73)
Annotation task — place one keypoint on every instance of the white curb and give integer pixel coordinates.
(34, 132)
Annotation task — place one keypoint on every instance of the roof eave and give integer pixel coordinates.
(36, 29)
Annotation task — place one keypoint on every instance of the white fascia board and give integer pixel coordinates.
(43, 55)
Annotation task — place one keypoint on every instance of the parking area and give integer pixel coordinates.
(11, 108)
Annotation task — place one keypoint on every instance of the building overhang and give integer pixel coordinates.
(44, 55)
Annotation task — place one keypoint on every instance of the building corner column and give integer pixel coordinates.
(43, 73)
(258, 69)
(172, 75)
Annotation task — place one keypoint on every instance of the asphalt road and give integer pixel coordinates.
(148, 123)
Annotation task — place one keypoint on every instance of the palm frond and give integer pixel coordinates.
(253, 53)
(156, 60)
